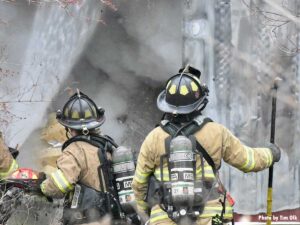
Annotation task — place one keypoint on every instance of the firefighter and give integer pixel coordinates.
(188, 185)
(84, 168)
(7, 162)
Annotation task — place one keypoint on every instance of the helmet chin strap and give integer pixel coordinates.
(179, 118)
(184, 118)
(203, 105)
(68, 133)
(84, 131)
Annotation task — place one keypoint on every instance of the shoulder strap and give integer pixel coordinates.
(190, 129)
(108, 139)
(169, 127)
(197, 124)
(206, 156)
(95, 140)
(104, 144)
(103, 170)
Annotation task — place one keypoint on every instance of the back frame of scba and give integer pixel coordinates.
(188, 130)
(175, 203)
(106, 178)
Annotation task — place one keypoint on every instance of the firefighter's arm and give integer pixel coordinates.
(244, 158)
(7, 163)
(64, 178)
(145, 167)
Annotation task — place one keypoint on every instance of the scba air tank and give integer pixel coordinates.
(182, 164)
(123, 168)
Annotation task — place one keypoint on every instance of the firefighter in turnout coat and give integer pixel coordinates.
(83, 154)
(7, 163)
(182, 101)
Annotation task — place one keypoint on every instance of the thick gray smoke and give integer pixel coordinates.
(48, 54)
(123, 65)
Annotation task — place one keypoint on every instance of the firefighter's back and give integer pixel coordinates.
(86, 156)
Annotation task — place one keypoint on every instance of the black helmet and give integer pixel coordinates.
(184, 93)
(81, 113)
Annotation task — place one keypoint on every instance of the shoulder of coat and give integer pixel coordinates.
(211, 127)
(157, 132)
(78, 147)
(83, 144)
(214, 125)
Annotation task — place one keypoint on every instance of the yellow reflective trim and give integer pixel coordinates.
(194, 86)
(156, 211)
(13, 166)
(172, 89)
(208, 172)
(43, 187)
(266, 156)
(57, 183)
(205, 215)
(157, 215)
(141, 177)
(247, 160)
(165, 174)
(69, 186)
(142, 204)
(157, 218)
(253, 160)
(207, 169)
(270, 157)
(75, 115)
(61, 182)
(184, 90)
(87, 114)
(250, 163)
(211, 176)
(210, 211)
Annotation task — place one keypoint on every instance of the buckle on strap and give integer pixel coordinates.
(164, 122)
(199, 119)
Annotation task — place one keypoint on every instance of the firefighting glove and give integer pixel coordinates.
(276, 152)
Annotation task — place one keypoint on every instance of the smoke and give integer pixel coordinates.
(258, 59)
(53, 46)
(123, 65)
(15, 26)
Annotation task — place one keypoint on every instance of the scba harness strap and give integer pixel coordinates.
(187, 130)
(98, 141)
(107, 182)
(104, 144)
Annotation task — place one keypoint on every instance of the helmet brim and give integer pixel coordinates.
(168, 108)
(88, 125)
